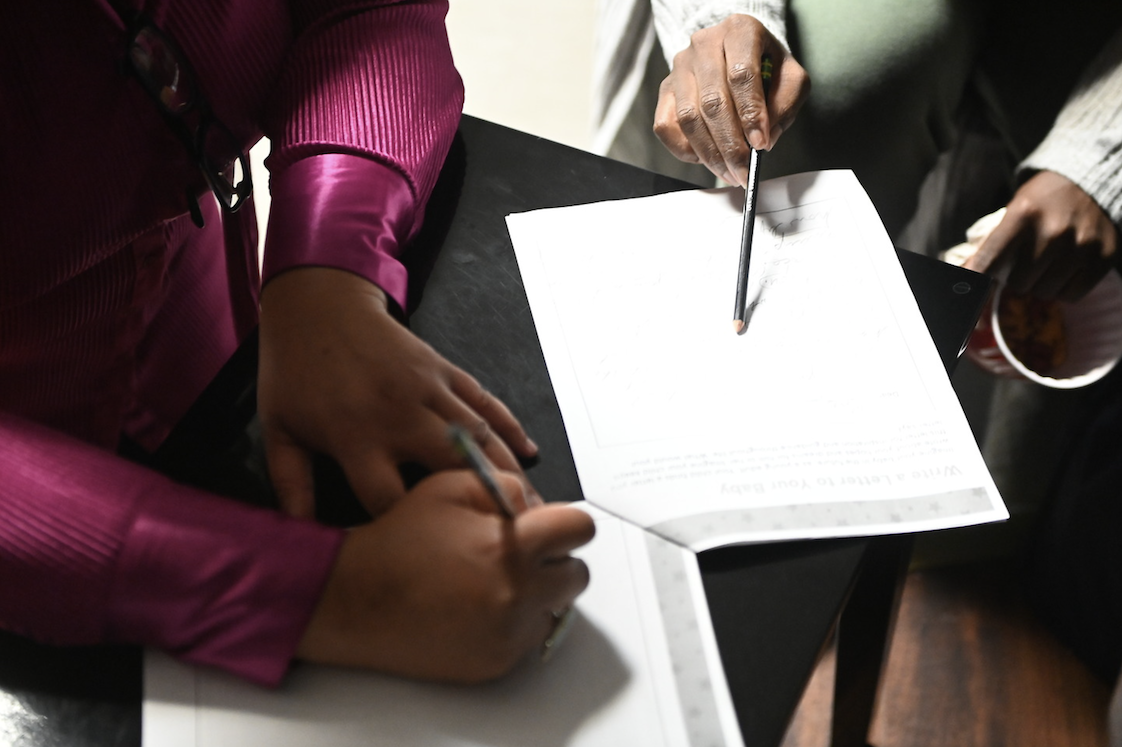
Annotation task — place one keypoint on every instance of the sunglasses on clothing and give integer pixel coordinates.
(165, 74)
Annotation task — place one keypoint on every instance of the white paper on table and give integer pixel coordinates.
(831, 415)
(639, 666)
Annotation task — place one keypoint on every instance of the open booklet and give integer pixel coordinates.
(831, 415)
(639, 666)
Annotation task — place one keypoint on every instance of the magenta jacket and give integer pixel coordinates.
(116, 310)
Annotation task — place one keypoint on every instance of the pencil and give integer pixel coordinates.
(740, 313)
(751, 193)
(465, 445)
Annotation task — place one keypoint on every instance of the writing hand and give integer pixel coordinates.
(712, 107)
(442, 587)
(1058, 239)
(340, 376)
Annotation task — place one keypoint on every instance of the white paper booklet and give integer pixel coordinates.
(639, 666)
(831, 415)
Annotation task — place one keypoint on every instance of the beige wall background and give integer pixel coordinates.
(527, 64)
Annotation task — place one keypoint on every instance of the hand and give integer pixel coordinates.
(712, 107)
(441, 587)
(340, 376)
(1058, 239)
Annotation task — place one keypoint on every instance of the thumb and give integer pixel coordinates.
(1001, 242)
(290, 471)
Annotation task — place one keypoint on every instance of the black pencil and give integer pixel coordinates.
(740, 313)
(751, 193)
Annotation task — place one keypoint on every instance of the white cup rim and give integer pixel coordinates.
(1110, 287)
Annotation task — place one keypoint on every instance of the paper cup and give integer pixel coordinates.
(1092, 329)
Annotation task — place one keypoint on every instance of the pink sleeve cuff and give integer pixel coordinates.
(219, 583)
(94, 549)
(343, 211)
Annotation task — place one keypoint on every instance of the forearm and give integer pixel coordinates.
(378, 84)
(1085, 144)
(94, 549)
(377, 81)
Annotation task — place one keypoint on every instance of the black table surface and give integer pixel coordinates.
(773, 606)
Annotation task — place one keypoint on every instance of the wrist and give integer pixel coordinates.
(305, 291)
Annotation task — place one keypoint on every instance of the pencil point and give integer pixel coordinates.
(737, 326)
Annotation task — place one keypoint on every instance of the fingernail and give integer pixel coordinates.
(531, 446)
(756, 140)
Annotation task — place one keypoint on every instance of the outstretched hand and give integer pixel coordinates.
(712, 107)
(340, 376)
(442, 587)
(1058, 240)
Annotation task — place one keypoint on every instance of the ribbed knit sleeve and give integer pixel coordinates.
(677, 20)
(95, 549)
(1085, 144)
(373, 81)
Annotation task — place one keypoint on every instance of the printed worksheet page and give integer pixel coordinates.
(639, 666)
(830, 415)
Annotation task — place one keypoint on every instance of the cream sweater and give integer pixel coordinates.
(1085, 143)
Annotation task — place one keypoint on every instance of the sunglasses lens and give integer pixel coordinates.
(157, 64)
(160, 66)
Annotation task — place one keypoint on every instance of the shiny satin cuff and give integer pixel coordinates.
(218, 583)
(342, 211)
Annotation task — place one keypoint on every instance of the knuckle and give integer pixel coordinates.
(740, 76)
(471, 390)
(481, 399)
(505, 602)
(713, 103)
(689, 118)
(481, 432)
(750, 114)
(502, 598)
(1023, 207)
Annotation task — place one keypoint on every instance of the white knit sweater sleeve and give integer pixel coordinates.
(1085, 143)
(677, 20)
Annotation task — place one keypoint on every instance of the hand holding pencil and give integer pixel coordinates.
(562, 617)
(712, 108)
(444, 586)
